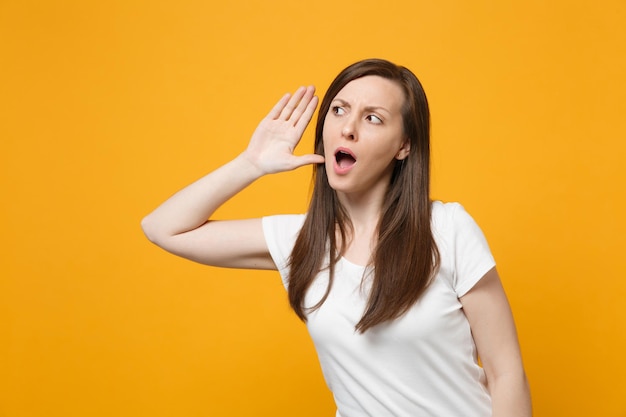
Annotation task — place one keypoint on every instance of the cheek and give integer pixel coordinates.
(328, 126)
(327, 133)
(388, 149)
(324, 140)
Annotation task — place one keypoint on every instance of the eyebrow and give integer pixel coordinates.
(367, 108)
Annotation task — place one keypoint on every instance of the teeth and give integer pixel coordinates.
(344, 158)
(341, 154)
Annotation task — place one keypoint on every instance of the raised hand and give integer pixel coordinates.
(180, 224)
(271, 148)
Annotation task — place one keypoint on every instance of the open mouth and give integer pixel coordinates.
(344, 158)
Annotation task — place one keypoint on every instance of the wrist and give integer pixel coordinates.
(247, 163)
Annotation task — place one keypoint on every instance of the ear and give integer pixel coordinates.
(404, 150)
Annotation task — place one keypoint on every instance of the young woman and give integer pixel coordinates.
(400, 294)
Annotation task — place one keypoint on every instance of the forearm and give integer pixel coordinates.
(510, 396)
(180, 226)
(192, 206)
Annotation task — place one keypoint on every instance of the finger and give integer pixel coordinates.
(305, 101)
(307, 114)
(278, 107)
(288, 109)
(308, 159)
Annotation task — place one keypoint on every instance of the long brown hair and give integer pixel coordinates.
(405, 257)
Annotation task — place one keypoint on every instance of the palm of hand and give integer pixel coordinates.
(276, 137)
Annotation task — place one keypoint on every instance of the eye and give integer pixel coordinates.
(337, 110)
(374, 119)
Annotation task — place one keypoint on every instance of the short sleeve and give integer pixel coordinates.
(472, 256)
(280, 233)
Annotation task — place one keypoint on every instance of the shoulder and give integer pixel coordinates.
(462, 245)
(448, 215)
(283, 223)
(281, 232)
(444, 226)
(452, 221)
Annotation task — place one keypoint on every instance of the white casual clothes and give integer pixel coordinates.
(421, 364)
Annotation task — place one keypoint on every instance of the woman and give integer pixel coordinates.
(400, 294)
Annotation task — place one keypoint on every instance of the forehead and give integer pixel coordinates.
(373, 90)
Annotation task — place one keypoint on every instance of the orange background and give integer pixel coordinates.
(107, 108)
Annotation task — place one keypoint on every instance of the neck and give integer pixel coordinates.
(364, 211)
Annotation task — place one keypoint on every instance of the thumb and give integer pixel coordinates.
(309, 159)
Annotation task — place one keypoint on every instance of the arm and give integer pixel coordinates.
(489, 314)
(180, 224)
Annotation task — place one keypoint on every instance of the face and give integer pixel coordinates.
(363, 135)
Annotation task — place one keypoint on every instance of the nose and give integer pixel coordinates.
(349, 129)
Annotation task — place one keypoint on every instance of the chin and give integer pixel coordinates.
(336, 184)
(341, 185)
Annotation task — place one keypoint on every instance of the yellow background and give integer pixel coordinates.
(106, 108)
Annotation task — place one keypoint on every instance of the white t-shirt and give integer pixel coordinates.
(421, 364)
